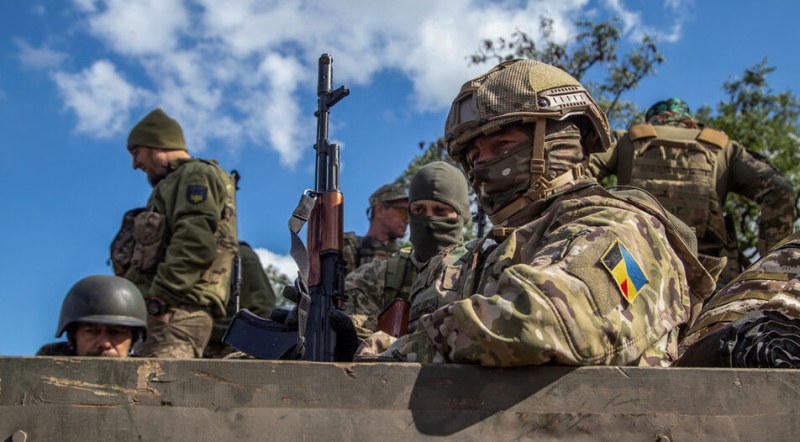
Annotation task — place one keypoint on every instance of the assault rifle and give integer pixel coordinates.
(307, 332)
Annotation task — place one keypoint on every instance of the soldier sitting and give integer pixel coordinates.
(388, 218)
(103, 316)
(439, 207)
(571, 273)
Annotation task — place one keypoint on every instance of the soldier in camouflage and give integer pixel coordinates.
(690, 170)
(571, 273)
(103, 316)
(185, 240)
(438, 208)
(256, 294)
(755, 320)
(388, 218)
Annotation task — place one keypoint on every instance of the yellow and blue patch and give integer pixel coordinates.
(624, 269)
(196, 194)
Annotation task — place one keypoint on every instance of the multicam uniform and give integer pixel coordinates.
(439, 199)
(571, 274)
(434, 285)
(691, 171)
(589, 281)
(186, 240)
(755, 320)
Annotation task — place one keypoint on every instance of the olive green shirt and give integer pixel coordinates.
(197, 201)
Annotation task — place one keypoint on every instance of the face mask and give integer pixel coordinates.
(430, 235)
(503, 178)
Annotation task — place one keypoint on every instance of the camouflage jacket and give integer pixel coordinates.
(367, 289)
(191, 217)
(737, 170)
(771, 284)
(591, 279)
(359, 250)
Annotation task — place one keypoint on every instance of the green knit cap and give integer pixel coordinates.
(440, 181)
(158, 130)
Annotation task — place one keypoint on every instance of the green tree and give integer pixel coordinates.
(596, 46)
(765, 122)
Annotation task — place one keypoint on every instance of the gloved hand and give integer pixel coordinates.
(346, 338)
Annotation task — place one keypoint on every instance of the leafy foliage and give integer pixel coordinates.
(596, 45)
(765, 122)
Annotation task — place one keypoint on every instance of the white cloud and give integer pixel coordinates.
(634, 25)
(139, 27)
(228, 70)
(100, 97)
(284, 263)
(38, 58)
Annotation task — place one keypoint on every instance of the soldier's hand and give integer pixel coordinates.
(346, 338)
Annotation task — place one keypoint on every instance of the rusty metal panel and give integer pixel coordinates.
(150, 399)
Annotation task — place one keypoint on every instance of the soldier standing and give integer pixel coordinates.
(185, 240)
(388, 218)
(571, 273)
(439, 207)
(103, 316)
(690, 170)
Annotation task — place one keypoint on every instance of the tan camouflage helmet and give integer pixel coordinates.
(517, 92)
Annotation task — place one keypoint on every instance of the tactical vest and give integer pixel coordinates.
(400, 274)
(679, 167)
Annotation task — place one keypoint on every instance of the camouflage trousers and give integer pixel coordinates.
(184, 335)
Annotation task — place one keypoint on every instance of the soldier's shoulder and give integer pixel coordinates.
(369, 270)
(201, 166)
(56, 349)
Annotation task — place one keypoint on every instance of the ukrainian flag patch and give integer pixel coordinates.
(625, 271)
(196, 194)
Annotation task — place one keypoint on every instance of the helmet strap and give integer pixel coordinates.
(540, 187)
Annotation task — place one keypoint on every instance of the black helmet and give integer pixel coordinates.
(104, 299)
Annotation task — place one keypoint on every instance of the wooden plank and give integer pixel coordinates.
(149, 399)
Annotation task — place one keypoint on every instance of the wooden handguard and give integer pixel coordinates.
(324, 231)
(393, 320)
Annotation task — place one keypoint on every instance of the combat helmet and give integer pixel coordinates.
(104, 299)
(524, 92)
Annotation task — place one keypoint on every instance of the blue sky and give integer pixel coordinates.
(241, 78)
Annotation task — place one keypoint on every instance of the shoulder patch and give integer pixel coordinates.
(196, 193)
(624, 270)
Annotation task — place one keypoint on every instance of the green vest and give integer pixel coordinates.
(400, 275)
